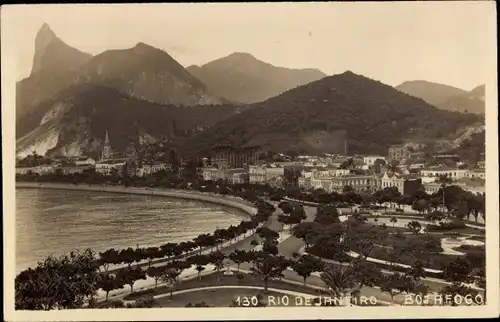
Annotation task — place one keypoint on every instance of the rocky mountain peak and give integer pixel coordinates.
(53, 53)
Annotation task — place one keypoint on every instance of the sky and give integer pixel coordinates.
(443, 42)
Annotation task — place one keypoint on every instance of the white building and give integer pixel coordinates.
(265, 173)
(476, 173)
(370, 159)
(83, 160)
(106, 166)
(148, 169)
(430, 174)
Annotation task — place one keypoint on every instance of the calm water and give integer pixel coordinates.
(58, 221)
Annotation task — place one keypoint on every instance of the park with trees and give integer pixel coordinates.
(378, 244)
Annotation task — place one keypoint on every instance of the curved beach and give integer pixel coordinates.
(229, 201)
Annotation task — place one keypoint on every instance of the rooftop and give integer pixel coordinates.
(442, 169)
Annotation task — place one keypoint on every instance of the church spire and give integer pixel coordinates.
(106, 139)
(106, 153)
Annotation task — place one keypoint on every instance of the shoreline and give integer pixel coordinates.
(228, 201)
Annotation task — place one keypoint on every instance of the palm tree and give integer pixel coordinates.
(443, 181)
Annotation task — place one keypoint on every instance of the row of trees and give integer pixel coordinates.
(30, 281)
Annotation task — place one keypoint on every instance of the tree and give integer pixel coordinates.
(286, 207)
(108, 283)
(58, 283)
(366, 274)
(339, 279)
(170, 276)
(395, 284)
(414, 226)
(269, 266)
(363, 238)
(201, 241)
(110, 256)
(155, 272)
(267, 233)
(326, 214)
(420, 205)
(217, 259)
(305, 231)
(394, 220)
(443, 181)
(129, 276)
(306, 265)
(239, 257)
(200, 261)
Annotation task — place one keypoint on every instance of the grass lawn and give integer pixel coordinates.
(211, 280)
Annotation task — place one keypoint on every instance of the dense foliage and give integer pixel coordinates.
(373, 115)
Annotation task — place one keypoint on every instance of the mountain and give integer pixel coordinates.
(316, 118)
(242, 78)
(146, 73)
(74, 121)
(53, 64)
(143, 72)
(432, 93)
(447, 97)
(468, 102)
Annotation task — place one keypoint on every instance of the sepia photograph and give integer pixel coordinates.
(258, 160)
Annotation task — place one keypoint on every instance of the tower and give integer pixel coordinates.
(106, 153)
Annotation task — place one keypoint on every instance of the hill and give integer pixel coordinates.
(468, 102)
(315, 118)
(242, 78)
(53, 64)
(432, 93)
(74, 121)
(147, 73)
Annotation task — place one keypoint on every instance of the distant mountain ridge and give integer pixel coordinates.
(432, 93)
(318, 116)
(240, 77)
(447, 97)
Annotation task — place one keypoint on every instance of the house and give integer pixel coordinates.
(71, 168)
(400, 153)
(430, 174)
(357, 182)
(148, 169)
(304, 180)
(406, 184)
(415, 166)
(431, 187)
(106, 166)
(239, 177)
(480, 164)
(82, 160)
(44, 169)
(213, 174)
(25, 170)
(273, 171)
(257, 174)
(476, 173)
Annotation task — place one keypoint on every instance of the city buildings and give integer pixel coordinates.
(400, 153)
(228, 157)
(406, 184)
